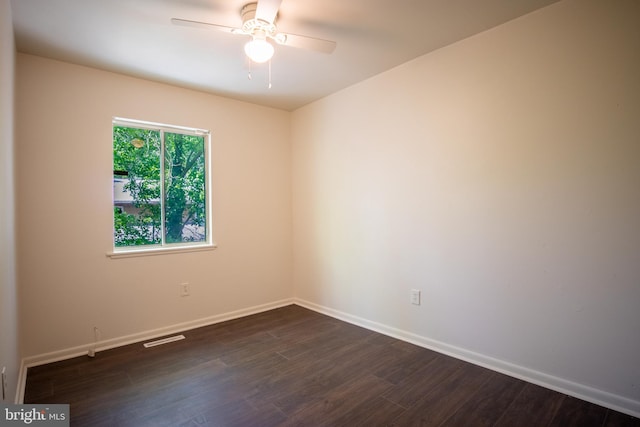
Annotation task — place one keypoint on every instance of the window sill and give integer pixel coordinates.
(130, 253)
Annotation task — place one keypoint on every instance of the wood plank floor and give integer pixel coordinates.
(294, 367)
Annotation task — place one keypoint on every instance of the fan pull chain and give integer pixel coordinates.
(249, 76)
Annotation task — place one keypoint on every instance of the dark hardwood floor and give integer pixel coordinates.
(295, 367)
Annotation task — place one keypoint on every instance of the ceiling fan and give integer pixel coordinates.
(259, 22)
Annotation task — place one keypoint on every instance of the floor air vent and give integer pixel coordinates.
(163, 341)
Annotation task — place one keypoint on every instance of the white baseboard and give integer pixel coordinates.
(83, 349)
(581, 391)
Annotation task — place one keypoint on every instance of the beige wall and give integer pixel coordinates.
(68, 284)
(501, 177)
(9, 356)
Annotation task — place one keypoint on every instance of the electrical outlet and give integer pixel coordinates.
(184, 289)
(415, 297)
(4, 383)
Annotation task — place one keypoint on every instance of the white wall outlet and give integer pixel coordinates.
(415, 297)
(184, 289)
(4, 383)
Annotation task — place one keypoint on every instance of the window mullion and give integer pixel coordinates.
(207, 183)
(162, 189)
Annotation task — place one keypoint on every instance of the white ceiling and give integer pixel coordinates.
(136, 37)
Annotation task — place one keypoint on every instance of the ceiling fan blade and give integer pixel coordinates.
(310, 43)
(267, 10)
(205, 25)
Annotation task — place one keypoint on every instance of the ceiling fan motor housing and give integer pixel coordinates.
(253, 26)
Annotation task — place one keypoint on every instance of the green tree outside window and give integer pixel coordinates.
(159, 182)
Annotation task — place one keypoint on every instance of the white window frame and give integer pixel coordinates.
(164, 248)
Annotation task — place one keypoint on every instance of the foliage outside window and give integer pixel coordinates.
(160, 185)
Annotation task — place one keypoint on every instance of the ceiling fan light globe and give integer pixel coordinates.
(259, 50)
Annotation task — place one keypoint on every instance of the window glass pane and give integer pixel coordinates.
(136, 186)
(184, 188)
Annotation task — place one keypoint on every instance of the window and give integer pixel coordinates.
(160, 187)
